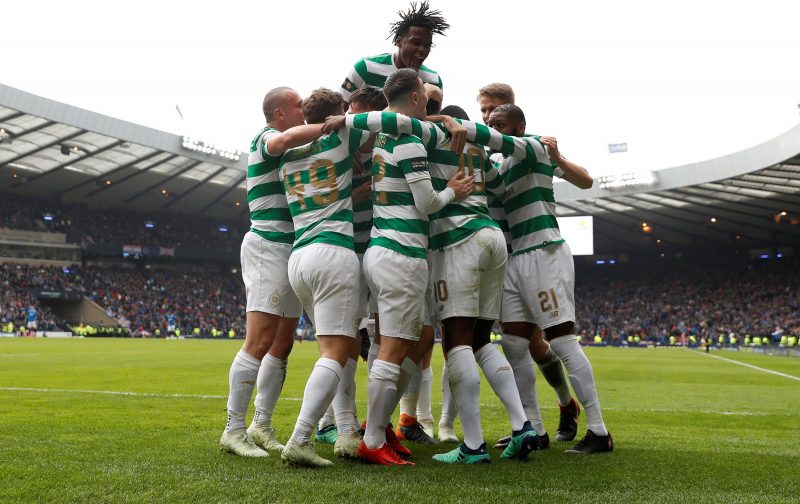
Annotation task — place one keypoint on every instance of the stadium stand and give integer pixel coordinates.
(99, 180)
(703, 297)
(199, 296)
(84, 224)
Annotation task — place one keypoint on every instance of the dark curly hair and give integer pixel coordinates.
(422, 16)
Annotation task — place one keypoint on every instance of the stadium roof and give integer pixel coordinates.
(110, 162)
(749, 199)
(52, 149)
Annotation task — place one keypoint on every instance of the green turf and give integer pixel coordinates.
(688, 428)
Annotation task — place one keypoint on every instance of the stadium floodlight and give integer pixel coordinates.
(48, 217)
(222, 229)
(629, 179)
(210, 148)
(600, 261)
(149, 224)
(780, 255)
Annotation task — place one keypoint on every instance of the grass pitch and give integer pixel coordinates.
(139, 420)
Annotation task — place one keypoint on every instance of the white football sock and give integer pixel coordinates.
(498, 373)
(424, 399)
(408, 403)
(374, 349)
(241, 381)
(553, 372)
(320, 389)
(449, 408)
(518, 355)
(582, 378)
(351, 393)
(465, 382)
(381, 389)
(407, 370)
(343, 403)
(328, 418)
(269, 384)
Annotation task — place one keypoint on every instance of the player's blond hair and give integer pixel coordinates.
(497, 90)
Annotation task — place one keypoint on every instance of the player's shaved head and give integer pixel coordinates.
(369, 98)
(513, 113)
(400, 84)
(503, 92)
(322, 103)
(275, 98)
(455, 111)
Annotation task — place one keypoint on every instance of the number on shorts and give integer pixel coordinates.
(440, 291)
(546, 298)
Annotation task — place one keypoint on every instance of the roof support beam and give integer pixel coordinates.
(43, 147)
(115, 170)
(223, 194)
(67, 163)
(162, 182)
(132, 175)
(172, 201)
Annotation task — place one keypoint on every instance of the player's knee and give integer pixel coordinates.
(563, 329)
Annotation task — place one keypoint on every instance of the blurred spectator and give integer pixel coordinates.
(200, 297)
(118, 226)
(690, 298)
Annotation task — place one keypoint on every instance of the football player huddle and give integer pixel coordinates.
(374, 200)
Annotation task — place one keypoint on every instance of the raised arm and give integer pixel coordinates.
(573, 173)
(393, 123)
(279, 143)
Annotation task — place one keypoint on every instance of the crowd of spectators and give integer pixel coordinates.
(117, 226)
(700, 298)
(651, 301)
(201, 300)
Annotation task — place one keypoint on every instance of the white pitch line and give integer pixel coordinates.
(765, 370)
(122, 393)
(297, 399)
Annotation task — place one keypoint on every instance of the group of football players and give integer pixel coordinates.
(374, 200)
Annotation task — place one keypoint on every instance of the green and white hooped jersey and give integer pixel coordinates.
(317, 178)
(372, 71)
(498, 214)
(362, 211)
(528, 200)
(397, 224)
(269, 213)
(460, 219)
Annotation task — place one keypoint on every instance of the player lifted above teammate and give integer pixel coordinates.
(412, 34)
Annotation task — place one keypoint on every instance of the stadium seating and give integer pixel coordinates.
(722, 299)
(118, 226)
(206, 297)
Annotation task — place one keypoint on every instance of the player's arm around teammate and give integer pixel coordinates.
(541, 253)
(272, 307)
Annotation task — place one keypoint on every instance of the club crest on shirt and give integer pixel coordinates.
(348, 85)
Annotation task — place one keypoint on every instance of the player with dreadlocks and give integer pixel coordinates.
(412, 34)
